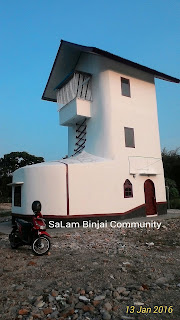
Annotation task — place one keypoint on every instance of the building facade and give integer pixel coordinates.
(114, 165)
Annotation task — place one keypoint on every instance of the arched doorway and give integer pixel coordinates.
(150, 198)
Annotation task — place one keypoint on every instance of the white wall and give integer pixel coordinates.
(74, 112)
(94, 188)
(98, 188)
(139, 112)
(45, 182)
(111, 112)
(98, 130)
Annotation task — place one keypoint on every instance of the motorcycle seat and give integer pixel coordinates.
(24, 223)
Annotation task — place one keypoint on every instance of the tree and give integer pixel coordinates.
(171, 162)
(8, 164)
(173, 191)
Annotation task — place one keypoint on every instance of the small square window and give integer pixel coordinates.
(129, 137)
(125, 87)
(17, 196)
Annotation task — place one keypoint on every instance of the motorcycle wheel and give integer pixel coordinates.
(14, 240)
(41, 245)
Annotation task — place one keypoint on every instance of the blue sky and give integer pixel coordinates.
(146, 32)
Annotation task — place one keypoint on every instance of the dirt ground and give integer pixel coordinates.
(110, 273)
(5, 211)
(5, 207)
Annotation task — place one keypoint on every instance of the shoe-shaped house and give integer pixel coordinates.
(114, 164)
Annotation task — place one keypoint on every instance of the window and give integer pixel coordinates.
(128, 193)
(129, 137)
(17, 196)
(125, 87)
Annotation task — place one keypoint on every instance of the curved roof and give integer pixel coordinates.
(83, 157)
(66, 60)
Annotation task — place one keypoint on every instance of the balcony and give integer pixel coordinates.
(74, 98)
(75, 111)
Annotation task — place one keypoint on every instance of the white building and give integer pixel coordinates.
(114, 164)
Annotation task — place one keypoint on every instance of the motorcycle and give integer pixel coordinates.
(31, 233)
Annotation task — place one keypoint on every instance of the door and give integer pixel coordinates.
(150, 198)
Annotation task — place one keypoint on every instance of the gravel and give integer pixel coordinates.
(84, 276)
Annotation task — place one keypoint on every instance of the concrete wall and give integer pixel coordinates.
(45, 182)
(97, 188)
(94, 188)
(74, 112)
(111, 112)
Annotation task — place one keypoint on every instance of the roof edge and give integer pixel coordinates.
(43, 97)
(155, 73)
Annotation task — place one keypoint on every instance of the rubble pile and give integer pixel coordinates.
(94, 275)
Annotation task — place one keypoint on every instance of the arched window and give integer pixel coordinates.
(128, 192)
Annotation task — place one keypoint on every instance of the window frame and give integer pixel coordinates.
(128, 185)
(125, 81)
(17, 196)
(127, 145)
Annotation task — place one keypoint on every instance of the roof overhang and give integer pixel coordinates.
(15, 184)
(67, 58)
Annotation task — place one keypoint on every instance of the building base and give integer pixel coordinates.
(137, 212)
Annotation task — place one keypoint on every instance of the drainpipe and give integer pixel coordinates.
(167, 197)
(67, 186)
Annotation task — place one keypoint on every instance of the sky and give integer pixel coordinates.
(144, 31)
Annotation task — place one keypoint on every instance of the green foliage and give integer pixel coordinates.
(8, 164)
(15, 160)
(171, 162)
(173, 191)
(175, 204)
(5, 191)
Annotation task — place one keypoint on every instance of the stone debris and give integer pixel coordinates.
(127, 264)
(23, 312)
(99, 298)
(123, 269)
(150, 244)
(137, 303)
(106, 315)
(92, 275)
(162, 281)
(120, 290)
(84, 299)
(108, 306)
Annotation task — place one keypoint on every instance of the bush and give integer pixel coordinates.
(173, 191)
(5, 199)
(175, 204)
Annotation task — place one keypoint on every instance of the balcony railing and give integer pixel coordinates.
(77, 85)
